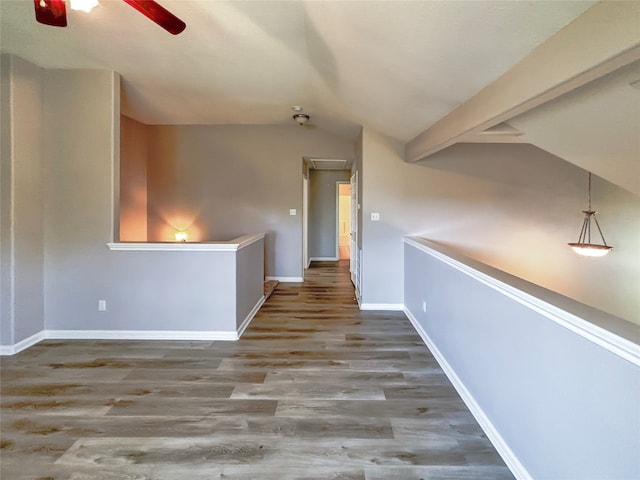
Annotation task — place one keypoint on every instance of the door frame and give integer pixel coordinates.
(354, 261)
(305, 224)
(338, 183)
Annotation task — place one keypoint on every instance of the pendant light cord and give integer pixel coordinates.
(590, 191)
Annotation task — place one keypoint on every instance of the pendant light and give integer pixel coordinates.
(584, 246)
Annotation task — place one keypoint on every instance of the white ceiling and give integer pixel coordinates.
(596, 126)
(394, 66)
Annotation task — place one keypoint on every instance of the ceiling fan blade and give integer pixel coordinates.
(158, 14)
(51, 12)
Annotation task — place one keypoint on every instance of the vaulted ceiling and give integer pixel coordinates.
(399, 67)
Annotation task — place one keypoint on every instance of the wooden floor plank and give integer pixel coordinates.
(315, 389)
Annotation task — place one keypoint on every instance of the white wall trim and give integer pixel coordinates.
(286, 279)
(6, 350)
(305, 220)
(539, 300)
(489, 429)
(171, 247)
(247, 240)
(324, 259)
(245, 323)
(140, 335)
(230, 246)
(394, 307)
(22, 345)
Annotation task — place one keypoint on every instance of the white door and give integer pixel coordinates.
(354, 257)
(305, 224)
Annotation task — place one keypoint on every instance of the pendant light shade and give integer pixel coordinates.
(584, 246)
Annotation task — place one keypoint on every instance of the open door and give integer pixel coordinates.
(354, 266)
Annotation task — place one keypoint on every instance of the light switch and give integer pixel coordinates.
(293, 211)
(375, 217)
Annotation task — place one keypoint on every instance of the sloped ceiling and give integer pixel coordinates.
(572, 96)
(596, 127)
(401, 68)
(394, 66)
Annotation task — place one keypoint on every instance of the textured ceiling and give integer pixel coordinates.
(394, 66)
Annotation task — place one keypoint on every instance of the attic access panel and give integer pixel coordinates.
(328, 164)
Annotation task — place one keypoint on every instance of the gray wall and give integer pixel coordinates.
(79, 156)
(6, 207)
(566, 407)
(249, 272)
(22, 243)
(513, 207)
(133, 180)
(322, 211)
(167, 291)
(221, 182)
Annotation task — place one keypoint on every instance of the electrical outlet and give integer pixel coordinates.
(375, 217)
(102, 305)
(424, 306)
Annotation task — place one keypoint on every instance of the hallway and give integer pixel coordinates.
(315, 389)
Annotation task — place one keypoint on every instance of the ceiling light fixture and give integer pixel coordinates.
(301, 118)
(84, 5)
(298, 116)
(584, 246)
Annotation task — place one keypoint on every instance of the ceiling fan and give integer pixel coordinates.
(54, 13)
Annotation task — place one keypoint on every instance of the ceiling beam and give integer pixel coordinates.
(601, 40)
(501, 133)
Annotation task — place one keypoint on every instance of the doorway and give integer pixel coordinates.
(343, 216)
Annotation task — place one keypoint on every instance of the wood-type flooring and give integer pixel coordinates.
(315, 389)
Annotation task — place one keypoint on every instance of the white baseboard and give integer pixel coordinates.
(23, 344)
(395, 307)
(489, 429)
(140, 335)
(245, 323)
(287, 279)
(324, 259)
(132, 334)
